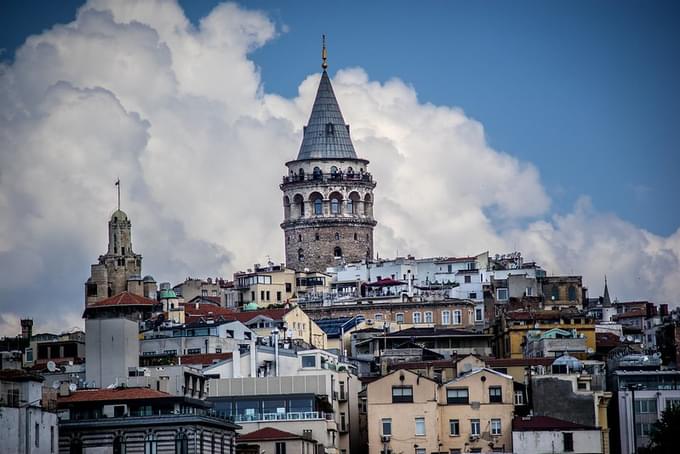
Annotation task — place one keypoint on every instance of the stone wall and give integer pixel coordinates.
(555, 398)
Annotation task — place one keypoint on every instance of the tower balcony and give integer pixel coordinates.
(363, 178)
(326, 220)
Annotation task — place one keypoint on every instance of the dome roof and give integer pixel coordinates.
(250, 307)
(119, 215)
(569, 361)
(167, 294)
(149, 278)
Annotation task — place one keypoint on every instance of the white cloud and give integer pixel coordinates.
(133, 90)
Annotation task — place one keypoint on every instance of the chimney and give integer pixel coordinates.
(26, 328)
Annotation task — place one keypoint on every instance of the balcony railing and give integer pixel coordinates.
(290, 416)
(328, 177)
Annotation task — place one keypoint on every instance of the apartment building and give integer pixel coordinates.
(408, 412)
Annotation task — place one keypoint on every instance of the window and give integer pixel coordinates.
(299, 238)
(51, 438)
(193, 351)
(399, 317)
(475, 427)
(479, 314)
(118, 445)
(568, 439)
(454, 427)
(495, 427)
(350, 209)
(280, 447)
(335, 206)
(495, 394)
(645, 406)
(387, 426)
(643, 429)
(402, 394)
(337, 236)
(446, 318)
(378, 317)
(420, 426)
(268, 295)
(416, 317)
(457, 396)
(502, 294)
(316, 237)
(150, 444)
(428, 317)
(309, 361)
(318, 206)
(519, 398)
(472, 295)
(261, 295)
(670, 403)
(37, 435)
(529, 291)
(301, 255)
(337, 252)
(555, 293)
(571, 293)
(343, 422)
(76, 446)
(289, 287)
(421, 451)
(457, 317)
(455, 451)
(278, 296)
(467, 279)
(118, 411)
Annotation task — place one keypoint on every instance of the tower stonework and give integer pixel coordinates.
(327, 193)
(119, 265)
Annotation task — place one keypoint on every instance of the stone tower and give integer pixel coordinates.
(110, 276)
(328, 192)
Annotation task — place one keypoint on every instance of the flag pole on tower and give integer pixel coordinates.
(118, 186)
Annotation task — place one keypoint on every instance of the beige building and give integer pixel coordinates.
(407, 412)
(264, 286)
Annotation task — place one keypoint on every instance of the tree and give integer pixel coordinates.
(664, 432)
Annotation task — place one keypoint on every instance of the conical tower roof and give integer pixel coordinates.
(326, 135)
(606, 301)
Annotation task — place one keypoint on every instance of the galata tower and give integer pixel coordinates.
(328, 192)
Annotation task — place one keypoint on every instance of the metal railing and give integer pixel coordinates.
(328, 177)
(289, 416)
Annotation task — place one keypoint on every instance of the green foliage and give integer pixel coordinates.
(665, 432)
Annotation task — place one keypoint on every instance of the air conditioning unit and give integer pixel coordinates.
(385, 439)
(474, 437)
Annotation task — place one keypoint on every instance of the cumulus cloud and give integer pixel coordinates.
(178, 112)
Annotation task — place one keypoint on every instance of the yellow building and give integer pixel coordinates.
(407, 412)
(514, 326)
(265, 286)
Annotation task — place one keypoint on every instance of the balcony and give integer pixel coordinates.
(291, 416)
(328, 178)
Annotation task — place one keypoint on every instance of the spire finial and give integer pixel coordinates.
(324, 55)
(118, 186)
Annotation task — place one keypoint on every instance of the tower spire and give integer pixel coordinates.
(118, 186)
(324, 54)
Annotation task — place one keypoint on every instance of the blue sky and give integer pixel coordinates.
(587, 91)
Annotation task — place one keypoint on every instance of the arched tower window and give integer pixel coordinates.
(353, 203)
(301, 255)
(181, 443)
(150, 444)
(368, 205)
(316, 173)
(337, 252)
(316, 236)
(555, 293)
(301, 172)
(299, 238)
(355, 236)
(299, 203)
(334, 172)
(350, 172)
(286, 207)
(572, 293)
(336, 203)
(337, 236)
(317, 203)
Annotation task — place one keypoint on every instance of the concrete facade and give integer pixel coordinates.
(553, 442)
(111, 348)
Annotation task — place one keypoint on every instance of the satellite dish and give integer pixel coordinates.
(51, 366)
(56, 385)
(629, 338)
(72, 387)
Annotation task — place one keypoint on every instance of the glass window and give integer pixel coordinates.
(309, 361)
(479, 314)
(446, 318)
(280, 447)
(181, 443)
(519, 398)
(572, 293)
(555, 293)
(495, 427)
(495, 394)
(457, 396)
(150, 444)
(387, 426)
(472, 295)
(457, 318)
(475, 427)
(400, 317)
(502, 294)
(421, 451)
(416, 317)
(318, 206)
(670, 403)
(378, 317)
(467, 279)
(335, 206)
(645, 405)
(454, 427)
(428, 317)
(402, 394)
(420, 426)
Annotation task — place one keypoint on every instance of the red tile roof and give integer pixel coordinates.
(194, 312)
(536, 423)
(268, 433)
(274, 314)
(607, 340)
(115, 394)
(124, 299)
(205, 359)
(518, 362)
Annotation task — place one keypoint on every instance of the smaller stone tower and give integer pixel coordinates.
(115, 268)
(328, 192)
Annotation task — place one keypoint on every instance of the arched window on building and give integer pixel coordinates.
(181, 443)
(350, 172)
(299, 238)
(337, 252)
(355, 236)
(119, 445)
(353, 203)
(368, 205)
(555, 293)
(571, 293)
(150, 444)
(318, 207)
(286, 207)
(316, 236)
(334, 172)
(337, 236)
(301, 255)
(316, 173)
(301, 172)
(299, 204)
(336, 203)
